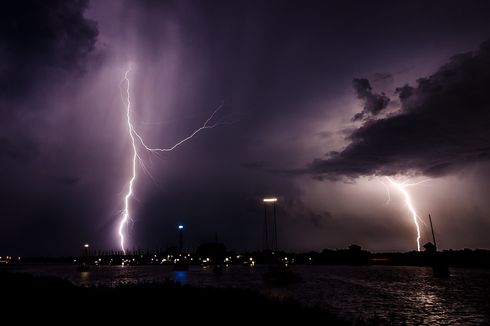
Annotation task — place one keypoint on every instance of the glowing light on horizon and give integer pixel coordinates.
(136, 138)
(269, 200)
(408, 201)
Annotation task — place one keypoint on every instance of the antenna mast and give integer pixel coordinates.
(433, 236)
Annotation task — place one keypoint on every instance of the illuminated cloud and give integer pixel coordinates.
(442, 125)
(373, 103)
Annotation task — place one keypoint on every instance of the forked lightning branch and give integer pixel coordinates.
(137, 143)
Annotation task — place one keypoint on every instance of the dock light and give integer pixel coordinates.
(180, 226)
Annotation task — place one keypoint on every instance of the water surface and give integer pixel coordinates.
(392, 293)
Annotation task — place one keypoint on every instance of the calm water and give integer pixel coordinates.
(397, 294)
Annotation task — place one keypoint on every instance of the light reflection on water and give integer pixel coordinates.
(181, 277)
(397, 294)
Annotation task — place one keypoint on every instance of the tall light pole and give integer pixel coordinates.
(273, 241)
(181, 237)
(86, 246)
(433, 236)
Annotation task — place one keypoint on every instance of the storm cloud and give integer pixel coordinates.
(38, 38)
(443, 125)
(373, 103)
(285, 71)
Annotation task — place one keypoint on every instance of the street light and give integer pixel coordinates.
(266, 201)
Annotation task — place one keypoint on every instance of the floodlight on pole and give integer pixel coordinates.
(269, 200)
(273, 240)
(86, 252)
(180, 227)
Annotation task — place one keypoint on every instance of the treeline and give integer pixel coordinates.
(478, 258)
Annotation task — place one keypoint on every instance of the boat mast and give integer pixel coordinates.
(433, 236)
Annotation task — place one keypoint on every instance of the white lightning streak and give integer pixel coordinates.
(133, 135)
(408, 202)
(125, 216)
(204, 126)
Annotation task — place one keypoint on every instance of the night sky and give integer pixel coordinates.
(322, 100)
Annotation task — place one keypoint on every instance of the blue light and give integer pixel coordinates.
(181, 277)
(181, 226)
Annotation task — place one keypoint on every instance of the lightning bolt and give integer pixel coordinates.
(129, 194)
(206, 125)
(400, 186)
(135, 138)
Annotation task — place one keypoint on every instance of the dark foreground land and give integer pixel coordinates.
(51, 299)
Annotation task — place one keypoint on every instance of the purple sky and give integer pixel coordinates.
(325, 98)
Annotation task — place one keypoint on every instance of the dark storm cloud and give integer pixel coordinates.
(44, 47)
(373, 103)
(39, 36)
(443, 125)
(317, 219)
(295, 209)
(382, 76)
(252, 165)
(18, 150)
(67, 180)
